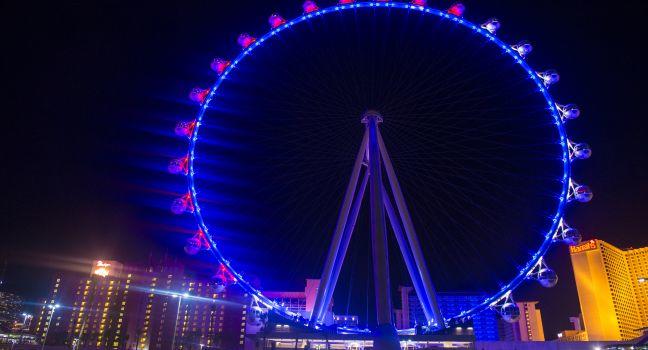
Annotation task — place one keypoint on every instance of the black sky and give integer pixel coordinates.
(83, 81)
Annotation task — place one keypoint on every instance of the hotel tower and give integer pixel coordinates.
(612, 289)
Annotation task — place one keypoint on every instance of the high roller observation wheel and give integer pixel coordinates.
(535, 268)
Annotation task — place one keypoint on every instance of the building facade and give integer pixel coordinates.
(575, 334)
(51, 322)
(9, 311)
(302, 302)
(613, 298)
(529, 326)
(175, 311)
(637, 260)
(485, 325)
(140, 308)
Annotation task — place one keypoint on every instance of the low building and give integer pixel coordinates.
(14, 339)
(575, 334)
(572, 335)
(301, 302)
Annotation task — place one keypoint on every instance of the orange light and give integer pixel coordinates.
(589, 245)
(102, 269)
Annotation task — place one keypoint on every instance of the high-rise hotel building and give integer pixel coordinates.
(93, 305)
(612, 290)
(124, 307)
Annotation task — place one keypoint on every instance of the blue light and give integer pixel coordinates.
(505, 291)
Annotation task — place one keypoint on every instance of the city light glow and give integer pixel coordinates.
(102, 269)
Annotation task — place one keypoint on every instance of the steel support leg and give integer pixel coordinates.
(346, 239)
(430, 292)
(410, 263)
(326, 281)
(374, 152)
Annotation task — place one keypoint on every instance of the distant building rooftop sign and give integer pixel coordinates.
(589, 245)
(105, 268)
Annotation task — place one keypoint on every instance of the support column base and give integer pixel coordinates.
(386, 338)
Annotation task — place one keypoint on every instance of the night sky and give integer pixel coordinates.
(86, 85)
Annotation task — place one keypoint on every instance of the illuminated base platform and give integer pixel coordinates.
(294, 340)
(277, 341)
(278, 333)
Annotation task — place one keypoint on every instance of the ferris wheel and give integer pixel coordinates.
(483, 143)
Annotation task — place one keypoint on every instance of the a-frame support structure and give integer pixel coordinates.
(370, 161)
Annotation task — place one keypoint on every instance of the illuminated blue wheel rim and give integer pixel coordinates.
(487, 37)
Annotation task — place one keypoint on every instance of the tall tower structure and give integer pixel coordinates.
(610, 289)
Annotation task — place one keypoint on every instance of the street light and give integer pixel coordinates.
(49, 323)
(175, 328)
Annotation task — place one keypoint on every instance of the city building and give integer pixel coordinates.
(611, 289)
(637, 260)
(301, 302)
(9, 311)
(14, 339)
(176, 311)
(114, 306)
(484, 325)
(14, 324)
(24, 323)
(86, 312)
(528, 327)
(572, 335)
(575, 334)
